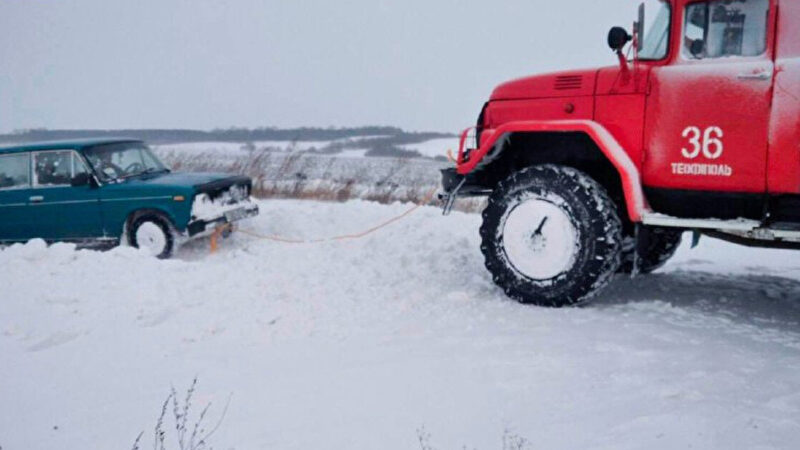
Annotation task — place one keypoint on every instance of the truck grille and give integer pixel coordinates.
(568, 82)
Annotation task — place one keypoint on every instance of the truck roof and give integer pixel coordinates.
(63, 144)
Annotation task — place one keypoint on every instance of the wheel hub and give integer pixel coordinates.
(537, 243)
(151, 238)
(539, 238)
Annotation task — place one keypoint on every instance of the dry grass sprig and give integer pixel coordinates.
(198, 438)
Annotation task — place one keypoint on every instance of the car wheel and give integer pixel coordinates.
(551, 236)
(154, 234)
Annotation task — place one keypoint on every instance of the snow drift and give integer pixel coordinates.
(357, 344)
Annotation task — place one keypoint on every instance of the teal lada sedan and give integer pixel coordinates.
(104, 192)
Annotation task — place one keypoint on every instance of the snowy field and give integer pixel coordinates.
(358, 344)
(294, 173)
(348, 147)
(435, 147)
(226, 149)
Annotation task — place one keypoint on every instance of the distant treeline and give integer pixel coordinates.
(166, 136)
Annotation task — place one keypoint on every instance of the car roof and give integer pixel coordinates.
(63, 144)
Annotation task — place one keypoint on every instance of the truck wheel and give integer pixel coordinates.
(656, 247)
(551, 236)
(154, 234)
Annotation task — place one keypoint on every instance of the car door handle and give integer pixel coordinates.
(36, 199)
(759, 76)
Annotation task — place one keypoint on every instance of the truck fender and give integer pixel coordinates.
(605, 141)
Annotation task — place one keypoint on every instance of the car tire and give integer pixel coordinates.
(656, 247)
(551, 236)
(153, 233)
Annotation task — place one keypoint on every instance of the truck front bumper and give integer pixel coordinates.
(456, 185)
(207, 225)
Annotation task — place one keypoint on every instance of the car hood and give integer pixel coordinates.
(559, 84)
(200, 182)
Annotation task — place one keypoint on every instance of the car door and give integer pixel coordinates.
(63, 211)
(707, 114)
(16, 219)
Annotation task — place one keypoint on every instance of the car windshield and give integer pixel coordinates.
(124, 160)
(655, 16)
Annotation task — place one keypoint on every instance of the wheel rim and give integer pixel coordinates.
(539, 239)
(151, 238)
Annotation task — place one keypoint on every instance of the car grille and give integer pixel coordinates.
(231, 190)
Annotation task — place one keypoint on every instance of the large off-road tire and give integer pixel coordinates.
(551, 236)
(153, 233)
(656, 246)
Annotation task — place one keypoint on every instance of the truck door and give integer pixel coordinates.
(707, 113)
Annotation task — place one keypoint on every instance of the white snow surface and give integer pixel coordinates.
(357, 344)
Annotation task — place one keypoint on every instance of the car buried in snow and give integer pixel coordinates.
(597, 171)
(103, 192)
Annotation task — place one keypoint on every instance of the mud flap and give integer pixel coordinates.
(695, 238)
(637, 248)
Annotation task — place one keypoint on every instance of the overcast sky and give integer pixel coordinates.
(417, 64)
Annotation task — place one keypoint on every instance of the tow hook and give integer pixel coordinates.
(450, 197)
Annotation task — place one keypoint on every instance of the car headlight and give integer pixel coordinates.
(200, 204)
(202, 199)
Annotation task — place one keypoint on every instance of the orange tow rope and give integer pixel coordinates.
(218, 232)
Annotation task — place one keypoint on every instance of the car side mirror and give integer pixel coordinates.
(617, 38)
(81, 179)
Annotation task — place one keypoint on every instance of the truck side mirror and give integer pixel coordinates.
(81, 179)
(617, 38)
(640, 29)
(696, 47)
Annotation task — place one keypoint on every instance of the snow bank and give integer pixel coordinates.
(357, 344)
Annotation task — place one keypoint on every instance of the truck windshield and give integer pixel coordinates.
(113, 162)
(654, 31)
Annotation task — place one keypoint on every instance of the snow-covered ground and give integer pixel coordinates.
(357, 344)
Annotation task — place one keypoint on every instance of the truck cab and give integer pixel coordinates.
(695, 128)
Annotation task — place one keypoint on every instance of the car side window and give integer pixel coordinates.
(78, 165)
(56, 168)
(722, 28)
(15, 171)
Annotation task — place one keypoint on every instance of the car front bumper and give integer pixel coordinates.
(234, 214)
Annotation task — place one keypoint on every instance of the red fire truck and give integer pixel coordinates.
(593, 172)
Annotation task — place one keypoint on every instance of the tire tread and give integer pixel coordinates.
(605, 225)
